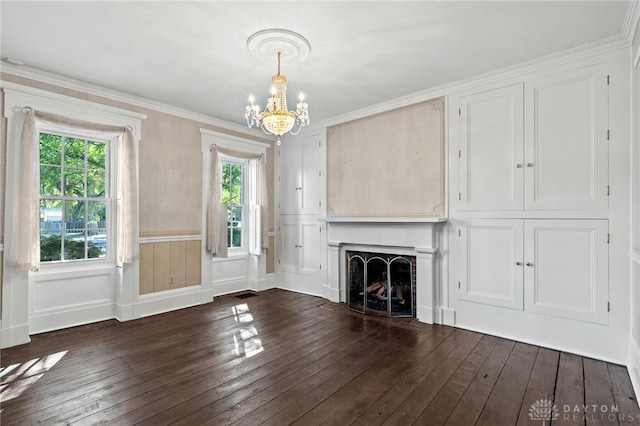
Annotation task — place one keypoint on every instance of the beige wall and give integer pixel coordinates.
(361, 178)
(170, 166)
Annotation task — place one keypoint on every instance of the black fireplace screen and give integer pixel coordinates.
(381, 284)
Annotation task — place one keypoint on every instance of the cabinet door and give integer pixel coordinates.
(289, 242)
(290, 193)
(566, 272)
(309, 247)
(310, 175)
(299, 171)
(492, 271)
(491, 141)
(566, 152)
(161, 266)
(146, 268)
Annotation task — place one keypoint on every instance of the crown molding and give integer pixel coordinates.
(47, 77)
(577, 53)
(631, 19)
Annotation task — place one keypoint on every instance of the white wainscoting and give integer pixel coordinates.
(67, 298)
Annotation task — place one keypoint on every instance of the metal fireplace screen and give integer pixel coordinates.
(381, 284)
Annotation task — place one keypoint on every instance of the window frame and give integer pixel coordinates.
(245, 228)
(111, 155)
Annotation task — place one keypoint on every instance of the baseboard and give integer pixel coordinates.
(332, 294)
(633, 366)
(232, 285)
(448, 316)
(71, 318)
(166, 301)
(125, 312)
(14, 336)
(425, 314)
(269, 281)
(295, 290)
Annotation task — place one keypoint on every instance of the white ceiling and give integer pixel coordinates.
(192, 54)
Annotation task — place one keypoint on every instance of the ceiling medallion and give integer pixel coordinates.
(276, 119)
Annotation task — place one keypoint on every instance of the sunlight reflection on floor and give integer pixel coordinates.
(246, 339)
(17, 378)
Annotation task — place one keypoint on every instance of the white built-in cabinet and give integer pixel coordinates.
(533, 193)
(299, 178)
(300, 243)
(299, 181)
(538, 145)
(551, 267)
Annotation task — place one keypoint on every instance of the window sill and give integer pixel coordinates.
(231, 256)
(74, 267)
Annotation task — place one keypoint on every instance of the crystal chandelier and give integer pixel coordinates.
(276, 119)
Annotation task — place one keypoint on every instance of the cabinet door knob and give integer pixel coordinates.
(518, 165)
(529, 264)
(519, 263)
(529, 164)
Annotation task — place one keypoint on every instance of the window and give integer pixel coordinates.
(232, 194)
(74, 198)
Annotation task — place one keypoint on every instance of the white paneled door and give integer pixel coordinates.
(493, 268)
(566, 268)
(491, 141)
(566, 141)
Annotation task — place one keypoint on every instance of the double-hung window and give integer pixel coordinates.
(75, 197)
(232, 194)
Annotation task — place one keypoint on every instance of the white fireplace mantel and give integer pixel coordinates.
(416, 236)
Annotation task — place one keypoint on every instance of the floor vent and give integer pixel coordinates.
(246, 294)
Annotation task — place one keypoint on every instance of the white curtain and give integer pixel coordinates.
(25, 243)
(213, 202)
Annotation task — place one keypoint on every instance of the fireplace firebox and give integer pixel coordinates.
(381, 284)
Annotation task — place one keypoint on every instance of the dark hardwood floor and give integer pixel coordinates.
(280, 358)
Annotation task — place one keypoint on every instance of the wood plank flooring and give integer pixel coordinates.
(282, 358)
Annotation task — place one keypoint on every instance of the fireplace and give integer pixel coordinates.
(381, 283)
(383, 249)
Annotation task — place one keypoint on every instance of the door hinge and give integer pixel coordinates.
(608, 190)
(278, 229)
(278, 178)
(459, 196)
(321, 267)
(319, 172)
(320, 229)
(608, 79)
(608, 238)
(458, 284)
(278, 205)
(608, 306)
(459, 154)
(278, 261)
(319, 203)
(319, 143)
(459, 233)
(459, 111)
(608, 135)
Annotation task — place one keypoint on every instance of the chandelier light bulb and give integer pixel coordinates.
(301, 97)
(251, 99)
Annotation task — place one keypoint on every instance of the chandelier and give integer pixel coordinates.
(276, 119)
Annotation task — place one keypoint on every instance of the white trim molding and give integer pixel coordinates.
(18, 303)
(169, 239)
